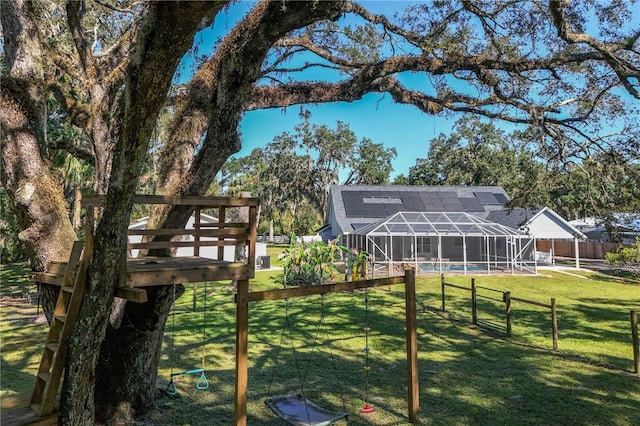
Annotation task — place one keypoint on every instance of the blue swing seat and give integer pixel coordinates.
(299, 411)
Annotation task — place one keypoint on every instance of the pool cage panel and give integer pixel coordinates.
(441, 242)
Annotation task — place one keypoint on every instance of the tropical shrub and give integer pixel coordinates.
(315, 263)
(626, 258)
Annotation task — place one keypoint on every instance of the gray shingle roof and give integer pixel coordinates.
(514, 218)
(359, 205)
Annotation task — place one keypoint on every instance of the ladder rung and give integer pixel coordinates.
(52, 346)
(36, 407)
(44, 376)
(61, 317)
(67, 289)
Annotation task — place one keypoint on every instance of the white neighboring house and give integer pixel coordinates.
(206, 252)
(624, 229)
(543, 224)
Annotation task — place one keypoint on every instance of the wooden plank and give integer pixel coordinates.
(322, 289)
(531, 302)
(226, 232)
(474, 303)
(57, 267)
(636, 341)
(458, 286)
(507, 311)
(136, 295)
(203, 202)
(253, 227)
(226, 225)
(229, 271)
(44, 277)
(196, 237)
(176, 244)
(222, 217)
(554, 324)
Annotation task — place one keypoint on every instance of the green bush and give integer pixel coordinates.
(315, 263)
(627, 258)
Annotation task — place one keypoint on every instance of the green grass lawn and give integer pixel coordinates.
(468, 376)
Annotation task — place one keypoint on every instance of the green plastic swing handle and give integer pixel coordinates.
(171, 388)
(202, 382)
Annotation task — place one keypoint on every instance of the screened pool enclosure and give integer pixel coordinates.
(444, 241)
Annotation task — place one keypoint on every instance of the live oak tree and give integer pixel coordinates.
(568, 71)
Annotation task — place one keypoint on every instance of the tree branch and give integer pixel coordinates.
(623, 69)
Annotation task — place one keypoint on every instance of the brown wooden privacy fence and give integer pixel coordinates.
(587, 249)
(507, 299)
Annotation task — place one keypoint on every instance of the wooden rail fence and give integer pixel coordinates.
(507, 299)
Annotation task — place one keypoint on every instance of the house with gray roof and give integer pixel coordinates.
(440, 228)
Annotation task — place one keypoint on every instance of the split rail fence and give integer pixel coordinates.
(505, 298)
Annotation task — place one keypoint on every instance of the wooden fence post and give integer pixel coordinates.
(242, 352)
(442, 282)
(636, 344)
(554, 323)
(413, 399)
(474, 304)
(507, 307)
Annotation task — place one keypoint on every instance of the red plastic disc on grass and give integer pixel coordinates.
(367, 409)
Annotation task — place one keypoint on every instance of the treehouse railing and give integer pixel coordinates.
(204, 233)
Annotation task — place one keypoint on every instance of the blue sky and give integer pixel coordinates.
(375, 117)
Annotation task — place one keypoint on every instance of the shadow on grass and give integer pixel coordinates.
(466, 376)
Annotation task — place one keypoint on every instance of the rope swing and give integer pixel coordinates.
(202, 383)
(295, 408)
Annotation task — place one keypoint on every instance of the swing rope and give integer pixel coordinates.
(322, 326)
(367, 407)
(307, 409)
(202, 382)
(286, 327)
(171, 386)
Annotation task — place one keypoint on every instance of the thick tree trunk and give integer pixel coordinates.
(37, 198)
(166, 34)
(126, 381)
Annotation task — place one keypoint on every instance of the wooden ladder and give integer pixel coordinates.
(64, 316)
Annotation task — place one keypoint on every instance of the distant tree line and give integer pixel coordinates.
(478, 153)
(292, 174)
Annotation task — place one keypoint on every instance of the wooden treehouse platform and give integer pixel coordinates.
(209, 232)
(143, 271)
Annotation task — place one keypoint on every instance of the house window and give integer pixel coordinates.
(423, 247)
(458, 241)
